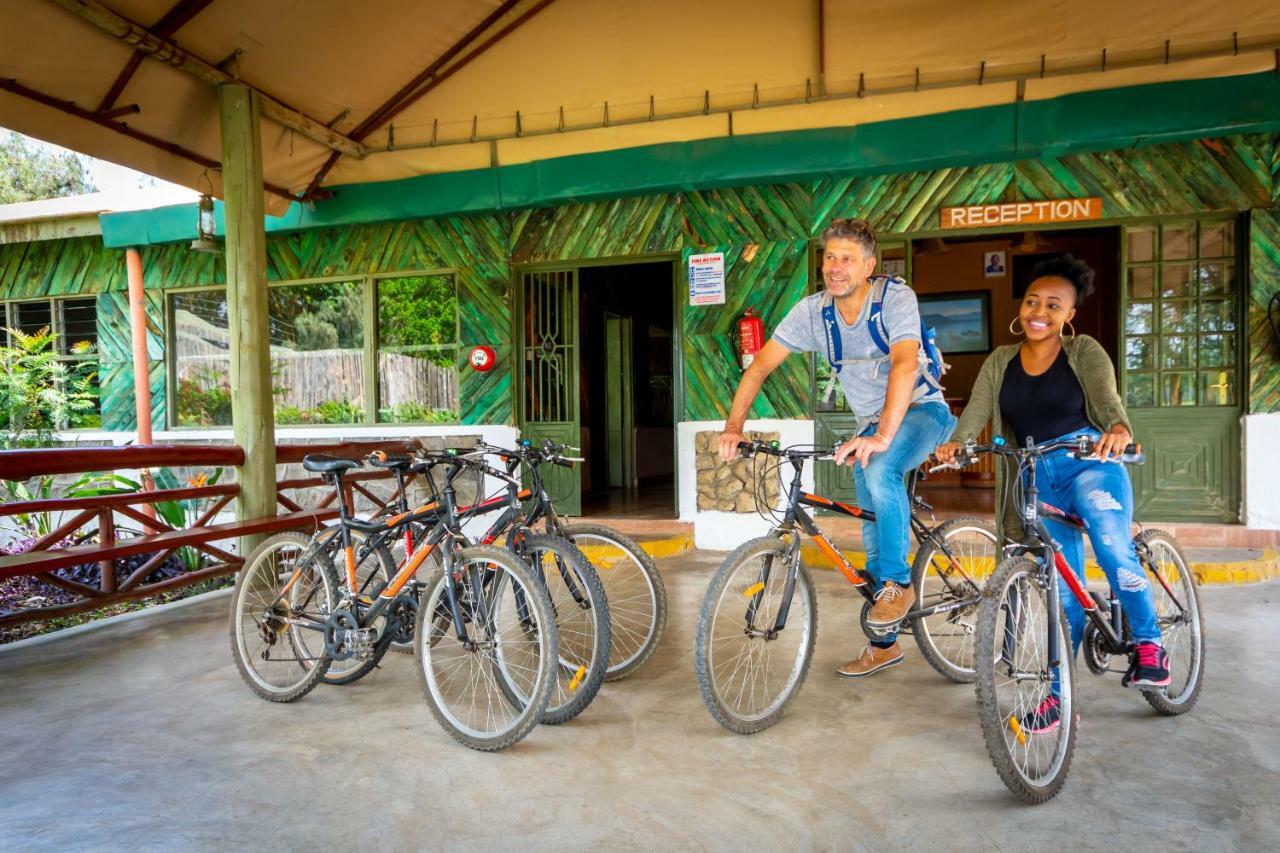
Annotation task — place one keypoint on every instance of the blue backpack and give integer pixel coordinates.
(931, 364)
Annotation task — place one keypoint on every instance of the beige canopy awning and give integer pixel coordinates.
(388, 89)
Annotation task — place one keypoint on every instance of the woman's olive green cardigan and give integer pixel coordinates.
(1103, 407)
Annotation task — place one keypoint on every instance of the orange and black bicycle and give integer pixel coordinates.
(759, 619)
(484, 632)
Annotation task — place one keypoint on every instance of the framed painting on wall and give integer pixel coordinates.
(962, 320)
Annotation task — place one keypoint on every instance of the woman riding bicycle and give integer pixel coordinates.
(1051, 387)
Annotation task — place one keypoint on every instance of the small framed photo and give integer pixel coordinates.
(993, 265)
(894, 266)
(962, 320)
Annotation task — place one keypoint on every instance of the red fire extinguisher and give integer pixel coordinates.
(750, 336)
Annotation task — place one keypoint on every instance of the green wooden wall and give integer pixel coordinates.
(777, 222)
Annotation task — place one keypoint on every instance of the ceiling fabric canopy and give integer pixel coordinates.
(388, 89)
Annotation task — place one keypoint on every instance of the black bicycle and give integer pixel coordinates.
(291, 616)
(1024, 652)
(759, 619)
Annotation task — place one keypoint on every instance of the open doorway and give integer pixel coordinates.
(627, 389)
(989, 274)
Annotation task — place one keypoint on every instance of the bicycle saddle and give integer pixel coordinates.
(321, 463)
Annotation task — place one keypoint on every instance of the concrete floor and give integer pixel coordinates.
(141, 737)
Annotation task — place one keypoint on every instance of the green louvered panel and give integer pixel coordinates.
(68, 267)
(1264, 351)
(746, 214)
(773, 281)
(115, 338)
(178, 266)
(906, 202)
(116, 379)
(644, 225)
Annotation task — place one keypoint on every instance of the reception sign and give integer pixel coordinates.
(1022, 213)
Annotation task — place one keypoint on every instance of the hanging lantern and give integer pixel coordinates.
(204, 228)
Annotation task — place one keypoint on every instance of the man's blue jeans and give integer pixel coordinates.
(882, 489)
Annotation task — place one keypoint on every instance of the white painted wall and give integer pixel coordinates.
(723, 531)
(1262, 471)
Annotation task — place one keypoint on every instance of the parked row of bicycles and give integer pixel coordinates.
(985, 614)
(523, 625)
(518, 628)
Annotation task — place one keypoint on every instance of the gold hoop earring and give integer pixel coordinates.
(1064, 325)
(1011, 329)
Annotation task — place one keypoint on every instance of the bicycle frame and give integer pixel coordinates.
(796, 517)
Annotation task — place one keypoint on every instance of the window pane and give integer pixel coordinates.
(1216, 278)
(32, 316)
(1140, 353)
(1138, 319)
(1217, 350)
(418, 387)
(317, 355)
(1178, 352)
(417, 311)
(1217, 315)
(201, 357)
(1178, 389)
(1217, 388)
(1140, 389)
(1217, 239)
(79, 324)
(1178, 317)
(1178, 243)
(1142, 282)
(83, 374)
(1175, 280)
(1142, 244)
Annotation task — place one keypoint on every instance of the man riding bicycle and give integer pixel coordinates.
(899, 422)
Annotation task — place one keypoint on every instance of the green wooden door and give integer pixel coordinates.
(1180, 375)
(620, 400)
(549, 373)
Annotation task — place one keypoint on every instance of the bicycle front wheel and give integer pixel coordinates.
(509, 627)
(747, 670)
(949, 571)
(1026, 700)
(1177, 601)
(282, 600)
(637, 596)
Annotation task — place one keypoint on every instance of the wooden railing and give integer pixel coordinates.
(88, 530)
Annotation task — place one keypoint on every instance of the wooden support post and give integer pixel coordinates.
(252, 409)
(141, 367)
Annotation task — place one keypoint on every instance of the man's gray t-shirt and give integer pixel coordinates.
(863, 384)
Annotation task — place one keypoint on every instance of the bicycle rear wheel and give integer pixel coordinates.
(746, 671)
(518, 637)
(582, 625)
(636, 594)
(1177, 601)
(1017, 681)
(951, 567)
(282, 599)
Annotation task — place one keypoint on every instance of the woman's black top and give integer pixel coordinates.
(1042, 407)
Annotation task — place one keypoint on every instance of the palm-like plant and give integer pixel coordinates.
(39, 392)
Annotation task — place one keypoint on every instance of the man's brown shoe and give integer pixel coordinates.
(871, 661)
(892, 603)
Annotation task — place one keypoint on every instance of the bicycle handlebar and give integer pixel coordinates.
(746, 449)
(1079, 448)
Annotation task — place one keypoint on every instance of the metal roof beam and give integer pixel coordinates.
(163, 50)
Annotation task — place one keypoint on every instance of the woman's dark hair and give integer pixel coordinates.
(1071, 268)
